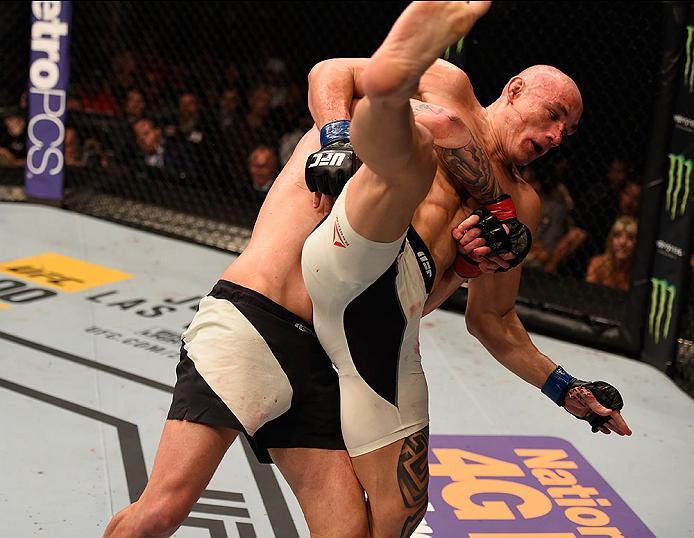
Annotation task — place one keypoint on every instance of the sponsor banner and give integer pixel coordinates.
(670, 262)
(48, 85)
(62, 273)
(522, 487)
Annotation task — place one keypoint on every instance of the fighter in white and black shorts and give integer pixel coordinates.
(249, 364)
(368, 299)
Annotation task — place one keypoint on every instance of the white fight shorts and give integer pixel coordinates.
(367, 303)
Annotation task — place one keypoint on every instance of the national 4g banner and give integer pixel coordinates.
(48, 84)
(487, 486)
(671, 261)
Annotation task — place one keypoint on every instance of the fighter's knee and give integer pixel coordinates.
(346, 526)
(162, 517)
(413, 515)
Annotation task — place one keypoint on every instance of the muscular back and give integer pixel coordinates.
(271, 263)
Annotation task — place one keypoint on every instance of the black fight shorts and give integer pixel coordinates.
(249, 364)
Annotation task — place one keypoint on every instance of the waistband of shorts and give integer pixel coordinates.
(233, 292)
(424, 259)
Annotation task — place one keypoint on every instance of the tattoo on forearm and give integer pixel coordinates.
(413, 478)
(470, 165)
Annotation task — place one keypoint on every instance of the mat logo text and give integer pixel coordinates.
(660, 312)
(678, 185)
(557, 490)
(62, 273)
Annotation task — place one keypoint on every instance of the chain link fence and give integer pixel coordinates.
(181, 114)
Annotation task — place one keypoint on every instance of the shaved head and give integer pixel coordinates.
(536, 110)
(553, 81)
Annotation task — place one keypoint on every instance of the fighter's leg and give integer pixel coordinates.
(187, 457)
(397, 152)
(327, 489)
(396, 478)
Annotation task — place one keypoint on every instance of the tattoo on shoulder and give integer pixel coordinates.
(419, 108)
(471, 165)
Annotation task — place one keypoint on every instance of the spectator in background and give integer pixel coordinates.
(73, 148)
(258, 117)
(191, 135)
(276, 78)
(134, 107)
(629, 196)
(156, 152)
(256, 128)
(557, 236)
(613, 267)
(232, 76)
(187, 124)
(97, 97)
(124, 68)
(262, 170)
(229, 113)
(596, 211)
(13, 135)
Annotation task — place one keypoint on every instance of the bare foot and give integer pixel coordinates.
(419, 36)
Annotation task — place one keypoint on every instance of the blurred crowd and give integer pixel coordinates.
(236, 128)
(593, 219)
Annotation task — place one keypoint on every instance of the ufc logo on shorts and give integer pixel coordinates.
(327, 158)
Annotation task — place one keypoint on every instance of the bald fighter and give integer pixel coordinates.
(377, 262)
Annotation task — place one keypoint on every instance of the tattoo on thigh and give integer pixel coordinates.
(413, 477)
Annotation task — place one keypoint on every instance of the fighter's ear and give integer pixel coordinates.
(515, 87)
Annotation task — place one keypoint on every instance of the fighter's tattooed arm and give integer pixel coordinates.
(468, 161)
(413, 478)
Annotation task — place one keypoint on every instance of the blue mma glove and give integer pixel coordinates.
(328, 169)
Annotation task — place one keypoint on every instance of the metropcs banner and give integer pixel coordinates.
(520, 487)
(48, 84)
(671, 260)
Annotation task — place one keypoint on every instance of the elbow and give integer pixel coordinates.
(487, 325)
(474, 325)
(315, 72)
(319, 69)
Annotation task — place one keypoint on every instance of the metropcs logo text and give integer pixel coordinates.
(660, 312)
(46, 126)
(678, 185)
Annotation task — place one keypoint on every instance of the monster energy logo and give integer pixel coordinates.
(459, 49)
(662, 299)
(679, 176)
(689, 65)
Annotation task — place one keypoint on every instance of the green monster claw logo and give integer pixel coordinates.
(459, 48)
(689, 65)
(679, 177)
(662, 300)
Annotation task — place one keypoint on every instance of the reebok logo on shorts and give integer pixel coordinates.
(338, 237)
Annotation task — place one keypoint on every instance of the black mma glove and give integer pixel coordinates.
(328, 169)
(493, 215)
(560, 385)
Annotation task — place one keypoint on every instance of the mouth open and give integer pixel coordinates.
(536, 147)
